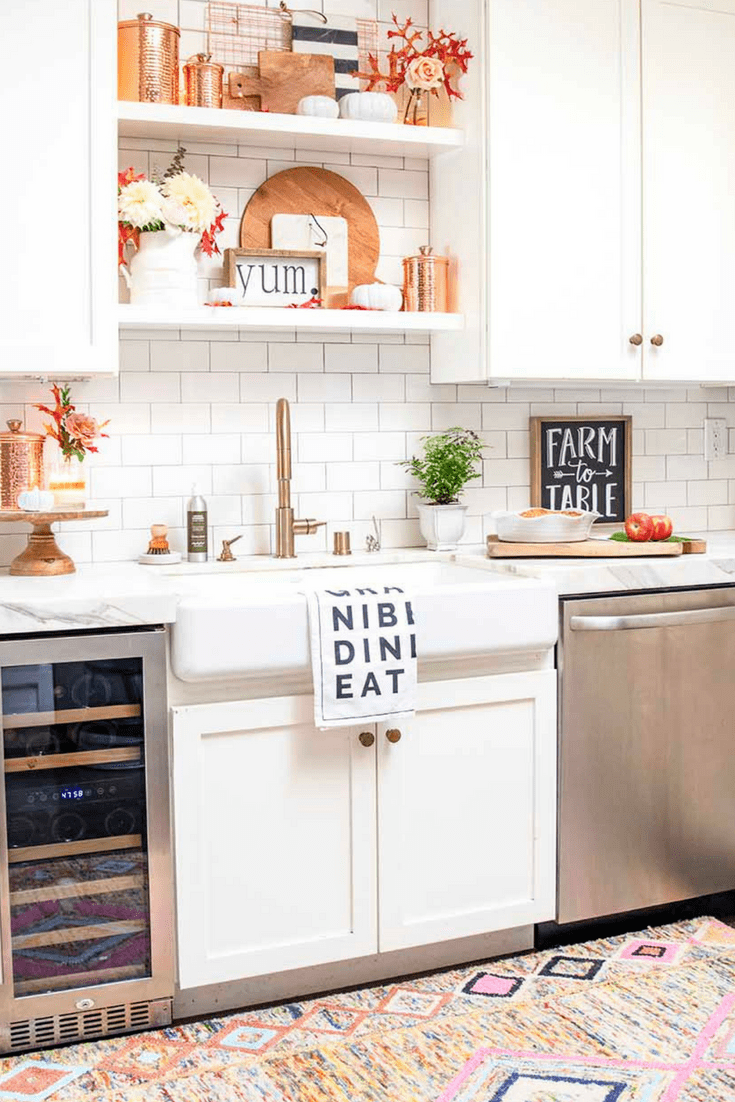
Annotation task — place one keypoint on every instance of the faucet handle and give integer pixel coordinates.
(307, 527)
(225, 554)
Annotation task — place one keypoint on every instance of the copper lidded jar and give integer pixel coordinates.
(203, 81)
(425, 281)
(21, 463)
(147, 60)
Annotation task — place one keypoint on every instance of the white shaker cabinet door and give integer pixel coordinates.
(58, 284)
(689, 188)
(467, 810)
(275, 840)
(564, 189)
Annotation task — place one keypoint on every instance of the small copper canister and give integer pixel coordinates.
(203, 81)
(148, 60)
(425, 280)
(21, 463)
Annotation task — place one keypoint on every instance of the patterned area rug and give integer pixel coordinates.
(639, 1018)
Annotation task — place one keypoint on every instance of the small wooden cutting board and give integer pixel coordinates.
(585, 549)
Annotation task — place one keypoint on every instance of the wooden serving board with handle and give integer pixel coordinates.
(282, 79)
(590, 549)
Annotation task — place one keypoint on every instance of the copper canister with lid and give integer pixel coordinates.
(203, 81)
(21, 463)
(425, 281)
(148, 60)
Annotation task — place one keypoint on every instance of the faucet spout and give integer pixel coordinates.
(286, 526)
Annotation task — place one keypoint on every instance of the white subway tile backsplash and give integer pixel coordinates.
(199, 405)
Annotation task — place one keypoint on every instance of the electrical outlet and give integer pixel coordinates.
(715, 438)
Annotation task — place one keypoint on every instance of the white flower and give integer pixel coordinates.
(192, 195)
(139, 204)
(174, 213)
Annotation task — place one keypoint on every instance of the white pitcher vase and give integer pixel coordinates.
(163, 271)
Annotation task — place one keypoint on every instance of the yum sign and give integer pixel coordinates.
(275, 277)
(582, 463)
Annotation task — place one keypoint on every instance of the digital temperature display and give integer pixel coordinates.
(72, 793)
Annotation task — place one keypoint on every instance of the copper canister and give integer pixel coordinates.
(148, 60)
(425, 280)
(21, 463)
(203, 81)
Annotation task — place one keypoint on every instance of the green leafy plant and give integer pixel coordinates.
(450, 461)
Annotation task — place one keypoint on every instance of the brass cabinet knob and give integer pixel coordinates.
(367, 738)
(394, 735)
(657, 340)
(636, 339)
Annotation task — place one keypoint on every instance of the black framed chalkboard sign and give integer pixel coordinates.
(582, 463)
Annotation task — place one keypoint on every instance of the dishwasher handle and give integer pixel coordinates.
(653, 619)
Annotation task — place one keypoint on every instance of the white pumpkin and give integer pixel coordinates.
(368, 107)
(377, 296)
(323, 107)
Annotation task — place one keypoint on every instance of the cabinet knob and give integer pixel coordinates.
(657, 340)
(394, 735)
(367, 738)
(636, 339)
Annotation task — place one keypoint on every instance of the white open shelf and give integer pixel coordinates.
(263, 129)
(273, 318)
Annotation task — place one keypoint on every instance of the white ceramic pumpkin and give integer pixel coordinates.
(368, 107)
(377, 296)
(323, 107)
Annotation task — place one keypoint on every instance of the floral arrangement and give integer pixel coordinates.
(175, 201)
(74, 432)
(423, 67)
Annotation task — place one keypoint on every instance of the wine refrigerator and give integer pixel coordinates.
(86, 907)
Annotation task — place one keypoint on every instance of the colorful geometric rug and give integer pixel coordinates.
(637, 1018)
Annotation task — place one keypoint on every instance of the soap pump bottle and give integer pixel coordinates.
(196, 528)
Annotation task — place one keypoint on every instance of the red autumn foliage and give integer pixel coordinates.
(446, 46)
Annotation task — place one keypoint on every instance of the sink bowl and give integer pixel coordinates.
(255, 623)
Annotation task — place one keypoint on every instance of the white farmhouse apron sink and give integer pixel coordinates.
(230, 625)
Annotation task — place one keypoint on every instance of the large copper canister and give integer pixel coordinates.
(425, 279)
(203, 81)
(21, 463)
(147, 60)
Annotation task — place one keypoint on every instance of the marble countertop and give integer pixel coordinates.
(129, 595)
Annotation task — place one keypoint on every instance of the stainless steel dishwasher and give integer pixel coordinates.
(647, 750)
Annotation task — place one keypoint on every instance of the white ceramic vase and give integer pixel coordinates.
(442, 526)
(163, 271)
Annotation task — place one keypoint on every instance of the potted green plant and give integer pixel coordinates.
(450, 460)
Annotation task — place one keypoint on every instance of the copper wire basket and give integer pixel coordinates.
(148, 60)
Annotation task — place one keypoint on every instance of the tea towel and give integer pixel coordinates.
(363, 654)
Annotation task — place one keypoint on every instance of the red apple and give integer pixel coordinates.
(663, 527)
(639, 527)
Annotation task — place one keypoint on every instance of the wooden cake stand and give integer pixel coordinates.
(43, 557)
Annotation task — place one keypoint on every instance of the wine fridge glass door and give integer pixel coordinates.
(76, 819)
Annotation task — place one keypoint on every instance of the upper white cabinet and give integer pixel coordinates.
(58, 286)
(689, 188)
(602, 154)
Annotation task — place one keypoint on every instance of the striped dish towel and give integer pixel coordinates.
(337, 38)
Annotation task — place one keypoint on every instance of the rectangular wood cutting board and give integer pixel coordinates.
(589, 549)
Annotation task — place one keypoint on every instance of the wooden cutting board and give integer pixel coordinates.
(317, 191)
(282, 79)
(589, 549)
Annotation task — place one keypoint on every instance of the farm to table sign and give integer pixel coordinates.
(582, 463)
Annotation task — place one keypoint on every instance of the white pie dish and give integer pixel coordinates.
(547, 528)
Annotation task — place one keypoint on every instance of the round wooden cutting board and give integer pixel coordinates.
(319, 192)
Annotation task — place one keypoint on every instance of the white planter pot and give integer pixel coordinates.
(442, 526)
(163, 271)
